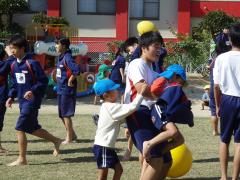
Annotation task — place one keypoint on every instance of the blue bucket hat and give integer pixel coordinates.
(175, 68)
(104, 86)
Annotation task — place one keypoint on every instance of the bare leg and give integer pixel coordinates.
(102, 174)
(118, 170)
(223, 154)
(236, 162)
(22, 146)
(70, 131)
(42, 133)
(165, 169)
(214, 122)
(153, 169)
(128, 152)
(202, 106)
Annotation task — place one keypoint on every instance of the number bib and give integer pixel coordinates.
(21, 78)
(58, 73)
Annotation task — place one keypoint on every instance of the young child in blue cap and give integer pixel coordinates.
(112, 115)
(172, 107)
(29, 83)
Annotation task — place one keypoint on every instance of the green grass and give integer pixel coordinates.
(76, 160)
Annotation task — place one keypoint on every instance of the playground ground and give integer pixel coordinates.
(76, 160)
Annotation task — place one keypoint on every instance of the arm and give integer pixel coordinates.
(122, 74)
(12, 94)
(217, 96)
(40, 77)
(121, 111)
(170, 131)
(72, 65)
(216, 79)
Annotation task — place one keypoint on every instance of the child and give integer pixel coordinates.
(226, 76)
(3, 91)
(111, 116)
(117, 73)
(131, 46)
(205, 97)
(67, 70)
(171, 107)
(28, 84)
(139, 124)
(104, 72)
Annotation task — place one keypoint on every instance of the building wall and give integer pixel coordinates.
(168, 15)
(89, 25)
(23, 19)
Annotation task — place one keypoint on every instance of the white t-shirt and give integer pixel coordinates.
(138, 70)
(111, 116)
(226, 73)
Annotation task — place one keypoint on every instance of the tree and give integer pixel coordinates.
(10, 7)
(215, 21)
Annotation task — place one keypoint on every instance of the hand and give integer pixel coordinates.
(9, 103)
(144, 88)
(127, 133)
(70, 83)
(28, 95)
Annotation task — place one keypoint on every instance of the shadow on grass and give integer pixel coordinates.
(29, 141)
(210, 160)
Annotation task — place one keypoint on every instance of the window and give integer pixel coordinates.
(96, 7)
(37, 5)
(144, 9)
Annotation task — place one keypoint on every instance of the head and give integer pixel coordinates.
(121, 50)
(222, 47)
(104, 71)
(107, 90)
(234, 35)
(206, 88)
(2, 52)
(226, 30)
(150, 44)
(180, 74)
(131, 44)
(62, 45)
(18, 46)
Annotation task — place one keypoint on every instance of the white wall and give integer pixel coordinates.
(168, 15)
(89, 25)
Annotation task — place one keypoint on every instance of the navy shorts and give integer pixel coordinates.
(212, 107)
(28, 120)
(2, 113)
(142, 129)
(66, 105)
(105, 157)
(230, 118)
(167, 157)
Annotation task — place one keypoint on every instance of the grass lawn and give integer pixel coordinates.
(76, 160)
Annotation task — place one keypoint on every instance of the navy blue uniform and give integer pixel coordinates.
(172, 106)
(4, 71)
(115, 73)
(28, 75)
(66, 67)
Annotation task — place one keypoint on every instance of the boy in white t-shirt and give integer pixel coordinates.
(111, 116)
(226, 76)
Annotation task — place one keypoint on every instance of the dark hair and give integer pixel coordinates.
(2, 52)
(18, 41)
(149, 38)
(63, 41)
(234, 34)
(131, 41)
(121, 49)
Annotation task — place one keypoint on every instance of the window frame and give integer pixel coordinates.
(148, 18)
(95, 13)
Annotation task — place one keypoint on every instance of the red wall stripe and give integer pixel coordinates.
(184, 16)
(200, 8)
(122, 19)
(54, 8)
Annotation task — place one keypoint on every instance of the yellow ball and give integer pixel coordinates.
(145, 26)
(182, 161)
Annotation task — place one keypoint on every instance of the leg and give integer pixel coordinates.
(70, 131)
(102, 174)
(2, 150)
(223, 155)
(128, 152)
(118, 170)
(165, 169)
(153, 169)
(236, 162)
(22, 145)
(42, 133)
(214, 122)
(202, 106)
